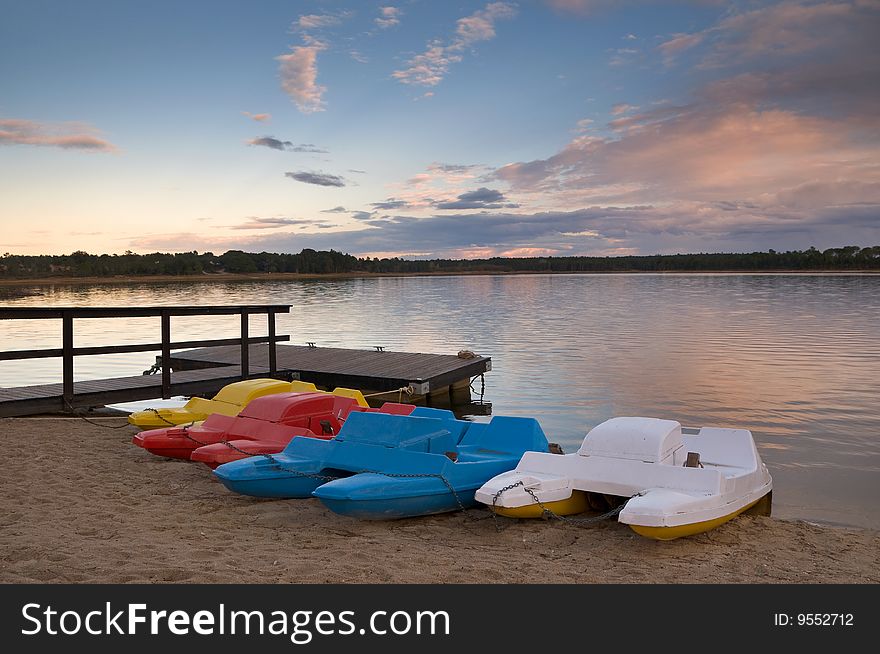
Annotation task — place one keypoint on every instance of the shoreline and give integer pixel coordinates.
(271, 277)
(81, 504)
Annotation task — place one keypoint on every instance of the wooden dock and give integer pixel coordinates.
(371, 371)
(203, 367)
(49, 398)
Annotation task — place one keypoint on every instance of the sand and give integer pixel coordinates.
(82, 504)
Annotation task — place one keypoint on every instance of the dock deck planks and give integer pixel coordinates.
(364, 369)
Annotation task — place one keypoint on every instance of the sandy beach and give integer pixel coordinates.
(82, 504)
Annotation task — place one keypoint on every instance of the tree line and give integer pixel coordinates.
(313, 262)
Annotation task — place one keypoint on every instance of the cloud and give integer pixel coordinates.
(803, 119)
(782, 29)
(299, 74)
(591, 230)
(388, 17)
(390, 204)
(679, 43)
(622, 108)
(260, 118)
(623, 56)
(318, 21)
(359, 57)
(319, 179)
(273, 223)
(275, 144)
(482, 198)
(453, 168)
(68, 136)
(357, 215)
(430, 67)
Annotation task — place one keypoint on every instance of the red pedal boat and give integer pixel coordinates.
(264, 426)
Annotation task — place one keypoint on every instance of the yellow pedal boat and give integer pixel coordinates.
(229, 401)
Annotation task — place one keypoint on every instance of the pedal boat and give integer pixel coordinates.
(675, 482)
(241, 443)
(269, 418)
(384, 467)
(229, 401)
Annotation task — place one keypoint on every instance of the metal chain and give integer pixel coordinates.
(549, 513)
(482, 377)
(160, 416)
(79, 415)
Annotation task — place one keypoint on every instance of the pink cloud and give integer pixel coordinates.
(388, 17)
(317, 21)
(430, 67)
(299, 73)
(782, 29)
(68, 136)
(704, 153)
(680, 42)
(260, 118)
(622, 108)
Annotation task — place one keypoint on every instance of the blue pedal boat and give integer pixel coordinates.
(383, 466)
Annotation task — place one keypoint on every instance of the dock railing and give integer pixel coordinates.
(67, 351)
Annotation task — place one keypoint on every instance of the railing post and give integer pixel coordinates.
(273, 361)
(166, 354)
(245, 353)
(67, 359)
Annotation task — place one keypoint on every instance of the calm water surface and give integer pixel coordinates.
(794, 358)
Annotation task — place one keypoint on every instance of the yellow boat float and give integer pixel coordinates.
(229, 401)
(671, 481)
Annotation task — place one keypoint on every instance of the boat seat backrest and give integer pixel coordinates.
(458, 428)
(244, 391)
(431, 412)
(396, 408)
(289, 407)
(733, 448)
(506, 434)
(395, 431)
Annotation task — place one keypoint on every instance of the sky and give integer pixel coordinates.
(419, 128)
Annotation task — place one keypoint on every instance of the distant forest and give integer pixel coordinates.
(83, 264)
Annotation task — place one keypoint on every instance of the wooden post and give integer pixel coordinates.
(273, 361)
(460, 391)
(166, 354)
(245, 354)
(67, 359)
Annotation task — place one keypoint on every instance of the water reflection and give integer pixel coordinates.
(794, 358)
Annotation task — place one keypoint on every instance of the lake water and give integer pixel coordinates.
(793, 358)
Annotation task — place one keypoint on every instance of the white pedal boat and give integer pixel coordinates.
(680, 481)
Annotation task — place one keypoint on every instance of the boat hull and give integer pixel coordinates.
(690, 529)
(377, 496)
(263, 476)
(402, 507)
(577, 503)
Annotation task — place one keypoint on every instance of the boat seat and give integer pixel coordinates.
(466, 455)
